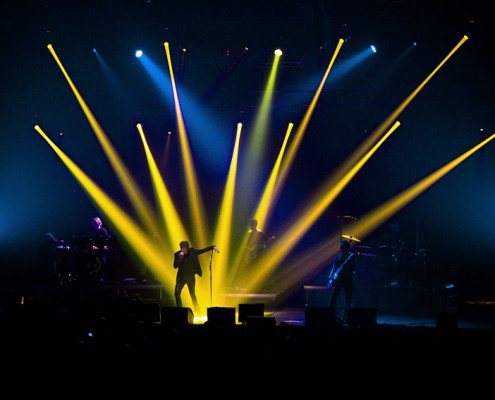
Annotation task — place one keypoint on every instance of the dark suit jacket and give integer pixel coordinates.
(194, 268)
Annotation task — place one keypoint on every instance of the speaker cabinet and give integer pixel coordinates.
(250, 310)
(176, 317)
(221, 316)
(362, 317)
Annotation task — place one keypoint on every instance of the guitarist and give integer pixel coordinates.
(341, 277)
(255, 245)
(256, 242)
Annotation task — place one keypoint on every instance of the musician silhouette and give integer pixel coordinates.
(98, 242)
(255, 245)
(92, 256)
(256, 241)
(341, 278)
(187, 263)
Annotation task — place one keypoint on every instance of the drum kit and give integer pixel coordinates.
(390, 260)
(388, 264)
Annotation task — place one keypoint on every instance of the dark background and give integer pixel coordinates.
(452, 221)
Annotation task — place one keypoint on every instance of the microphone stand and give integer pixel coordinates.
(211, 284)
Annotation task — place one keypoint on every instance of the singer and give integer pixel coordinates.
(186, 261)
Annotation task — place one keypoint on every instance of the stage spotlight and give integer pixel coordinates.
(138, 53)
(278, 52)
(373, 49)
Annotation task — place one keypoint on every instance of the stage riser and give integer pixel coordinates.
(141, 292)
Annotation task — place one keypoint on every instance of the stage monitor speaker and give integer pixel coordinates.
(221, 316)
(319, 317)
(362, 317)
(176, 317)
(250, 310)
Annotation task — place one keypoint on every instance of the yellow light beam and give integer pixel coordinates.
(300, 268)
(136, 239)
(370, 221)
(194, 198)
(294, 146)
(396, 113)
(335, 180)
(261, 211)
(293, 233)
(173, 228)
(257, 137)
(138, 200)
(277, 179)
(264, 204)
(224, 222)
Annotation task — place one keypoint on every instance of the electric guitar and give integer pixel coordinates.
(253, 254)
(332, 278)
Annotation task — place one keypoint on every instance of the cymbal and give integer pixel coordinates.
(354, 239)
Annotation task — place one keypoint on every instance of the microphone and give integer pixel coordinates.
(181, 254)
